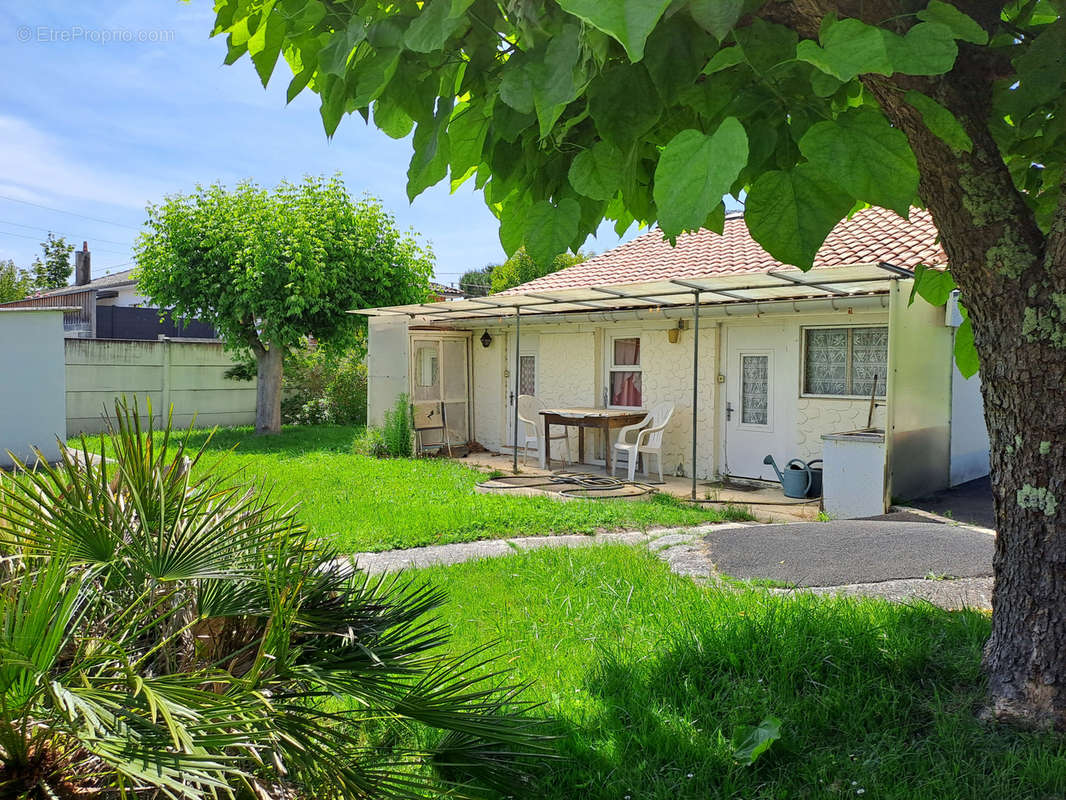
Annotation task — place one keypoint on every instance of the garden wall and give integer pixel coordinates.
(31, 382)
(190, 375)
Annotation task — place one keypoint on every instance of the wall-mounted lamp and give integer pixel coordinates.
(486, 339)
(673, 334)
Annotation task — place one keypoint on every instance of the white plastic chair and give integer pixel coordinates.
(647, 440)
(529, 408)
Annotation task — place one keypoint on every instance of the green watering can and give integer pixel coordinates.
(800, 478)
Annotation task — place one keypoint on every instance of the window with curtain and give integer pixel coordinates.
(625, 373)
(845, 361)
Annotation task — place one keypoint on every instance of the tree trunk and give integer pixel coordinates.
(1012, 279)
(269, 363)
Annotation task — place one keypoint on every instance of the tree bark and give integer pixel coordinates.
(269, 364)
(1011, 278)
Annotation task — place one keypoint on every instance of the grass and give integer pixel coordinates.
(649, 677)
(367, 504)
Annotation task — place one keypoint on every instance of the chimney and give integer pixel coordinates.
(82, 271)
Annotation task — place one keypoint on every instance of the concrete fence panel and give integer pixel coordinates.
(31, 383)
(188, 375)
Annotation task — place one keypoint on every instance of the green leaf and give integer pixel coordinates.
(429, 164)
(928, 49)
(466, 136)
(597, 172)
(432, 27)
(516, 86)
(554, 84)
(932, 285)
(962, 25)
(549, 229)
(630, 22)
(751, 742)
(965, 350)
(791, 212)
(333, 58)
(624, 104)
(694, 172)
(717, 17)
(724, 59)
(940, 122)
(849, 48)
(264, 45)
(391, 119)
(867, 157)
(513, 215)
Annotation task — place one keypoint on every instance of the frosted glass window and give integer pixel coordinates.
(845, 361)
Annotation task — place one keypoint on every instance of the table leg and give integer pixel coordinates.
(580, 444)
(547, 445)
(607, 446)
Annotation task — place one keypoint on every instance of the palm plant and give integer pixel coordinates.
(165, 635)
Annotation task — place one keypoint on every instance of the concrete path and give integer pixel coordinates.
(678, 545)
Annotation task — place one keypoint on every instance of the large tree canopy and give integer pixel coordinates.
(566, 112)
(268, 269)
(521, 268)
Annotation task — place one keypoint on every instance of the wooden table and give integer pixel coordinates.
(603, 419)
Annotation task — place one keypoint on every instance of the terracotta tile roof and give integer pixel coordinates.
(870, 236)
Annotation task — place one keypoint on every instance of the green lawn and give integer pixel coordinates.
(364, 504)
(649, 675)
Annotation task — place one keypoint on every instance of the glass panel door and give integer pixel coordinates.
(755, 389)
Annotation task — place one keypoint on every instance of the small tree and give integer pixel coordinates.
(270, 268)
(52, 271)
(15, 283)
(522, 268)
(477, 282)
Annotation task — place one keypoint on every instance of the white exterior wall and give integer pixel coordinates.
(567, 364)
(920, 356)
(32, 383)
(190, 376)
(488, 410)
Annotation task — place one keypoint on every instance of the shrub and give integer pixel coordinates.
(164, 636)
(397, 431)
(333, 384)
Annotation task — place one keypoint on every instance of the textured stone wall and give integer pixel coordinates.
(668, 377)
(816, 416)
(567, 364)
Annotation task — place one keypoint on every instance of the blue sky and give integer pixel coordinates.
(103, 128)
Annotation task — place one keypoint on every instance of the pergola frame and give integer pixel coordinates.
(860, 279)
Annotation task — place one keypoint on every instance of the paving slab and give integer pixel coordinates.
(849, 552)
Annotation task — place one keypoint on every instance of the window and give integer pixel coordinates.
(624, 377)
(527, 375)
(845, 361)
(755, 389)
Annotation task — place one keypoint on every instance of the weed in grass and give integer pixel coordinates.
(649, 677)
(824, 517)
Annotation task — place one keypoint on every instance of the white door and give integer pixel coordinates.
(758, 416)
(528, 376)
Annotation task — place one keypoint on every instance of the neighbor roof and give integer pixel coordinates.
(103, 282)
(871, 236)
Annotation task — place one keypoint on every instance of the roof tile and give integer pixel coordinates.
(869, 236)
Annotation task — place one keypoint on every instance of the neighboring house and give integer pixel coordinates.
(109, 307)
(784, 356)
(439, 293)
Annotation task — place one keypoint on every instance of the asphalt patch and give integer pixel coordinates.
(851, 551)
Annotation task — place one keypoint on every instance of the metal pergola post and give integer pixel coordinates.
(517, 351)
(695, 380)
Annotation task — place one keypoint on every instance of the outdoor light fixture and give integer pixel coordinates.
(486, 340)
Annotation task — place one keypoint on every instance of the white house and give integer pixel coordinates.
(783, 356)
